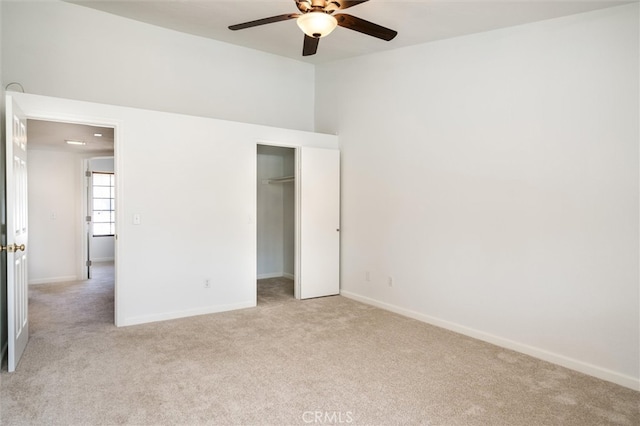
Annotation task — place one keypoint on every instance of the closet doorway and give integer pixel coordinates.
(276, 223)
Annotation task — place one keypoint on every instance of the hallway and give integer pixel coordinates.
(84, 303)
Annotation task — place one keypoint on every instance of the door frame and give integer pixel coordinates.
(299, 283)
(52, 114)
(297, 189)
(85, 248)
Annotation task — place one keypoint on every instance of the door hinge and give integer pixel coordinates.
(87, 173)
(88, 218)
(88, 263)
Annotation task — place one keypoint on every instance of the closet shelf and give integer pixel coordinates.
(283, 179)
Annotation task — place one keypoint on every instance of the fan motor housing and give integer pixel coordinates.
(305, 6)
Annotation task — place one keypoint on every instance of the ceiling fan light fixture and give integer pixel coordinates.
(317, 24)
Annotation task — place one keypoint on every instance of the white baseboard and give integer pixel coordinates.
(271, 275)
(564, 361)
(277, 275)
(53, 280)
(143, 319)
(103, 259)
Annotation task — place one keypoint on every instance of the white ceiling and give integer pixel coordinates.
(417, 21)
(52, 136)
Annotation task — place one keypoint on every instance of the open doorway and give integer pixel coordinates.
(100, 213)
(60, 154)
(276, 224)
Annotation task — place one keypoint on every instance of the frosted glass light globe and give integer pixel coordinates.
(317, 24)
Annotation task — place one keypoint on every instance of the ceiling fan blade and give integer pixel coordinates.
(365, 27)
(264, 21)
(310, 46)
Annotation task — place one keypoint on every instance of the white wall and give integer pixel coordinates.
(65, 50)
(102, 248)
(55, 209)
(495, 178)
(196, 197)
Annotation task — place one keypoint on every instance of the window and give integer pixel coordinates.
(104, 218)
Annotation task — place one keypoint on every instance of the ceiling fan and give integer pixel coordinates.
(317, 20)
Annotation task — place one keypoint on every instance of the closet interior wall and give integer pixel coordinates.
(276, 212)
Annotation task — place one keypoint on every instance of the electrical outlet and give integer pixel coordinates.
(390, 281)
(207, 283)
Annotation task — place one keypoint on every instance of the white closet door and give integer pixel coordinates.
(16, 216)
(319, 175)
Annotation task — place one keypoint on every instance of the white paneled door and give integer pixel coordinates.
(319, 222)
(17, 233)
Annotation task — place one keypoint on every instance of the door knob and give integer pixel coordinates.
(13, 248)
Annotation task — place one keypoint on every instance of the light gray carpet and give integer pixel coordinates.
(274, 291)
(320, 361)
